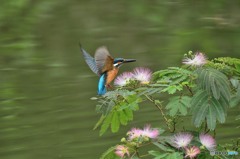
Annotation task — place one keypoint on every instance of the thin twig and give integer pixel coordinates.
(161, 110)
(207, 131)
(133, 154)
(174, 125)
(189, 89)
(205, 126)
(138, 155)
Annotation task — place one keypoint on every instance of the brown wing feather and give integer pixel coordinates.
(103, 59)
(108, 64)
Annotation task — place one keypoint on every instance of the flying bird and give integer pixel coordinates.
(105, 66)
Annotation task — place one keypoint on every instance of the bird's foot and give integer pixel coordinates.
(109, 86)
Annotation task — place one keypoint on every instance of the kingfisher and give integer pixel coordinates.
(105, 66)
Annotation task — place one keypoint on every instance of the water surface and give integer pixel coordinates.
(45, 85)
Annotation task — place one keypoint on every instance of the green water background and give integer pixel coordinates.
(45, 85)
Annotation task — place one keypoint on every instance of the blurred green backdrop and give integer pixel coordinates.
(45, 85)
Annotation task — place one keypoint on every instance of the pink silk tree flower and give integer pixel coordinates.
(134, 133)
(150, 132)
(123, 79)
(181, 140)
(208, 141)
(192, 152)
(147, 131)
(121, 151)
(142, 74)
(198, 59)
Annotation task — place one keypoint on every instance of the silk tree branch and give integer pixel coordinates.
(160, 108)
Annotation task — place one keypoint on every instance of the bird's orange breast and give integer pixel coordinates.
(111, 75)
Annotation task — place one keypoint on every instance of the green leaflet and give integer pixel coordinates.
(200, 114)
(112, 98)
(198, 99)
(99, 122)
(132, 102)
(238, 91)
(175, 155)
(235, 99)
(214, 82)
(123, 117)
(122, 104)
(183, 110)
(106, 124)
(173, 79)
(163, 147)
(129, 114)
(157, 154)
(115, 124)
(180, 79)
(178, 104)
(219, 110)
(235, 82)
(115, 119)
(109, 154)
(207, 107)
(155, 88)
(185, 100)
(228, 65)
(160, 155)
(172, 89)
(211, 117)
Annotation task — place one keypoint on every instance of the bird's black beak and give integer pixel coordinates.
(128, 60)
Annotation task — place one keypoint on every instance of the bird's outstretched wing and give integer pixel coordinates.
(90, 61)
(103, 59)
